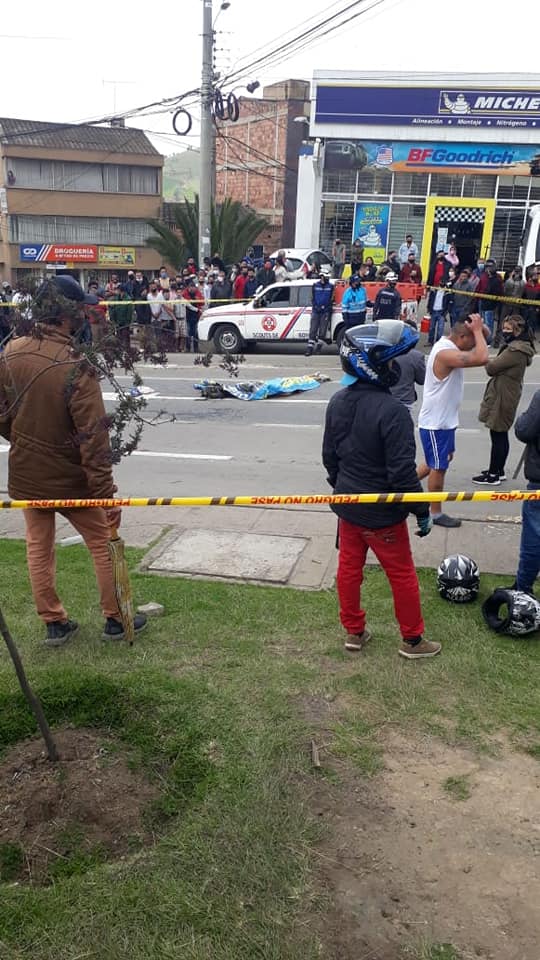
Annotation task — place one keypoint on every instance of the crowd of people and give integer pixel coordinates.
(451, 289)
(170, 303)
(369, 443)
(454, 296)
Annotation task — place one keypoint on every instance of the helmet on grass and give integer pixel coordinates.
(458, 579)
(366, 351)
(521, 613)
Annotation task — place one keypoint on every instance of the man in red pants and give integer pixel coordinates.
(369, 447)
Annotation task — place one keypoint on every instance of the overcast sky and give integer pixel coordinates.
(154, 52)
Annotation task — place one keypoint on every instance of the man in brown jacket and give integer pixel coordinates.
(52, 414)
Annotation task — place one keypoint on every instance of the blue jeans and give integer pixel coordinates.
(436, 327)
(529, 547)
(488, 316)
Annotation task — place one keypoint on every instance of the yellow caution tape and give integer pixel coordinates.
(124, 303)
(288, 500)
(487, 296)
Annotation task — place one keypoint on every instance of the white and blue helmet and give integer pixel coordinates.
(366, 351)
(520, 612)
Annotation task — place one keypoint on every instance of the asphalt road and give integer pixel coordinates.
(231, 447)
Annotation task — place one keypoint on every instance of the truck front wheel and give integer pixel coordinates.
(227, 339)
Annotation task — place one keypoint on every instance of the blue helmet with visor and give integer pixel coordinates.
(366, 351)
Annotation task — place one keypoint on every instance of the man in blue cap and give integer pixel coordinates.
(53, 415)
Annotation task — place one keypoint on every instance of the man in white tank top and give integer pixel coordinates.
(443, 392)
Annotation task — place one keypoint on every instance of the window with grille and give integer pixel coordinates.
(339, 181)
(446, 185)
(112, 230)
(513, 188)
(83, 177)
(374, 183)
(337, 220)
(406, 218)
(411, 184)
(507, 232)
(479, 185)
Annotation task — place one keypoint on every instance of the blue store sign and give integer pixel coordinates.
(431, 106)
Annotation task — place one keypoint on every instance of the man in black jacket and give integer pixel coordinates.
(369, 447)
(221, 290)
(266, 275)
(387, 305)
(527, 429)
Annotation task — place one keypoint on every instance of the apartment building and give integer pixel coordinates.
(76, 197)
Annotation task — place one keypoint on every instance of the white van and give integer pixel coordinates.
(280, 312)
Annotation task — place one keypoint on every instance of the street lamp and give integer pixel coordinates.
(224, 6)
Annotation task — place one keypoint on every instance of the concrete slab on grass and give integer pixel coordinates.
(227, 555)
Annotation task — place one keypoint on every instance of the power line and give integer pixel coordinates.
(271, 161)
(302, 41)
(246, 168)
(282, 36)
(281, 48)
(167, 103)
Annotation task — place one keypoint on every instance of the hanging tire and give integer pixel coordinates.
(186, 122)
(233, 108)
(227, 339)
(219, 106)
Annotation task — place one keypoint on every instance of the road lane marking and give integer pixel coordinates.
(180, 456)
(159, 396)
(291, 426)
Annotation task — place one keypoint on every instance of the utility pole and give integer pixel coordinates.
(207, 133)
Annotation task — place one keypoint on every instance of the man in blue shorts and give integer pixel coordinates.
(443, 392)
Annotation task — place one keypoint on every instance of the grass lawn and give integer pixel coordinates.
(211, 703)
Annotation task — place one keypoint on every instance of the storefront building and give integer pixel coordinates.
(449, 158)
(77, 198)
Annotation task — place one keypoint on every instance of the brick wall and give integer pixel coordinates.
(257, 157)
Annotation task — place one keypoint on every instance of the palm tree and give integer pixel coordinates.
(234, 228)
(168, 243)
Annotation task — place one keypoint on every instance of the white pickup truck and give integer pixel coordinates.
(280, 312)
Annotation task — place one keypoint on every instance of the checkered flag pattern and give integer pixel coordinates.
(460, 214)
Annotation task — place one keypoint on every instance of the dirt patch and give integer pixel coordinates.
(57, 819)
(442, 846)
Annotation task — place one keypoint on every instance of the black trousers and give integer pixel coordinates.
(353, 319)
(500, 447)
